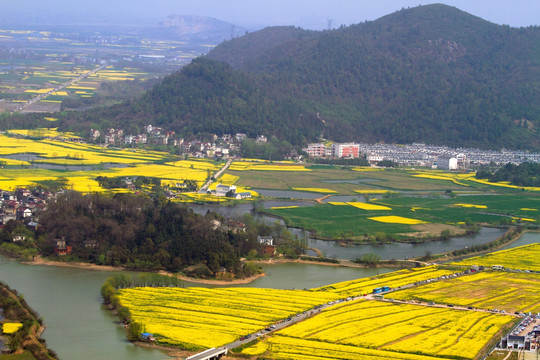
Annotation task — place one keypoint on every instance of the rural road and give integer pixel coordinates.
(204, 188)
(58, 88)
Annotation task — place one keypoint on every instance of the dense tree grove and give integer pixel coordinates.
(137, 232)
(525, 174)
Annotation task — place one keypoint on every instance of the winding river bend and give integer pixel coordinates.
(79, 328)
(332, 249)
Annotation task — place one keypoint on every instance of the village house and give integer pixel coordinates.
(23, 212)
(242, 195)
(62, 248)
(223, 190)
(216, 224)
(235, 226)
(267, 245)
(516, 342)
(18, 238)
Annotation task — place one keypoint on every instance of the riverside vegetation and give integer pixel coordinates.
(21, 328)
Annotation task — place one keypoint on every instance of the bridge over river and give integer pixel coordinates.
(210, 354)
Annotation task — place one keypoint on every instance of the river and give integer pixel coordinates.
(332, 249)
(402, 251)
(78, 327)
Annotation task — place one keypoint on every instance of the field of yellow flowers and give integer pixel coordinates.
(196, 318)
(389, 330)
(392, 279)
(485, 290)
(523, 257)
(125, 163)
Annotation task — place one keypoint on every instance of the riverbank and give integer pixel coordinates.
(246, 280)
(28, 337)
(38, 260)
(398, 264)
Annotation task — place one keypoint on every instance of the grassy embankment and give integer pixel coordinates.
(25, 342)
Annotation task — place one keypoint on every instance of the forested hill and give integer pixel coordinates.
(431, 73)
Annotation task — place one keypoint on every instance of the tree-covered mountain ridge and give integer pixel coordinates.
(432, 73)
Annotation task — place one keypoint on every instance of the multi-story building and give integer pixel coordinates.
(318, 150)
(346, 150)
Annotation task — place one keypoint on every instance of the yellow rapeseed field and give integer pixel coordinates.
(397, 220)
(228, 179)
(523, 257)
(472, 206)
(373, 191)
(441, 176)
(288, 348)
(11, 328)
(368, 206)
(201, 317)
(486, 290)
(141, 163)
(317, 190)
(367, 168)
(259, 348)
(485, 182)
(387, 327)
(393, 279)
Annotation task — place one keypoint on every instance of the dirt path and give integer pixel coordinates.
(320, 200)
(316, 251)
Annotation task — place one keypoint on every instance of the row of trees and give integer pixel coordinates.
(525, 174)
(122, 182)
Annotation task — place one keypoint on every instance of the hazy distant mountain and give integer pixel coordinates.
(195, 29)
(431, 73)
(248, 48)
